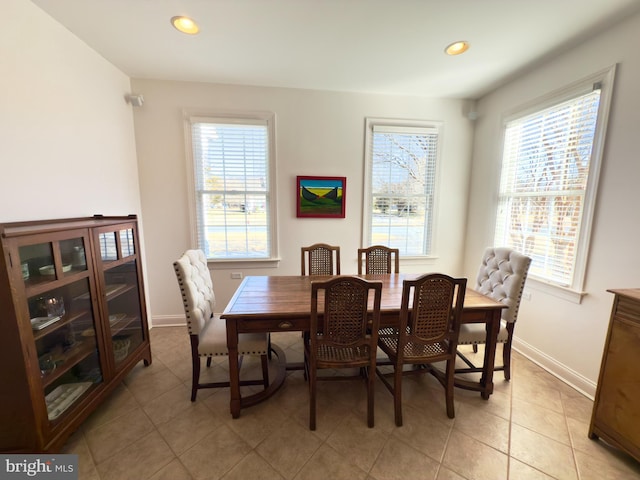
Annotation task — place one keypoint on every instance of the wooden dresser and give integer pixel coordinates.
(616, 410)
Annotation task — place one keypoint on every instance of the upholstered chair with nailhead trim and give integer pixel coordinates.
(207, 331)
(502, 276)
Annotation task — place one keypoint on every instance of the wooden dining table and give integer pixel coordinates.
(283, 304)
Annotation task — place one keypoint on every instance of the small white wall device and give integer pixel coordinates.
(135, 100)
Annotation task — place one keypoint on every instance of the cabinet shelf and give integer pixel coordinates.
(39, 286)
(66, 320)
(56, 376)
(69, 359)
(114, 290)
(123, 326)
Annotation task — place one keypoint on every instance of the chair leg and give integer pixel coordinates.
(312, 398)
(305, 369)
(265, 370)
(397, 393)
(195, 380)
(195, 366)
(475, 348)
(305, 345)
(209, 361)
(506, 359)
(448, 387)
(506, 351)
(370, 398)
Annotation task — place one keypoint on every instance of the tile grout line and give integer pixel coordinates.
(511, 389)
(444, 450)
(155, 430)
(573, 449)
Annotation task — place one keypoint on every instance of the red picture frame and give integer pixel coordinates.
(321, 197)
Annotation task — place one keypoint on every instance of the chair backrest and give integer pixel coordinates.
(502, 276)
(344, 319)
(378, 259)
(196, 288)
(320, 259)
(431, 309)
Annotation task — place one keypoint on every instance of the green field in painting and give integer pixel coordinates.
(321, 206)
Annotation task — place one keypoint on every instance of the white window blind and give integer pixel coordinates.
(547, 161)
(231, 163)
(402, 169)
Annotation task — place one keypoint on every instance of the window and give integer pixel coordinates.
(233, 207)
(551, 163)
(400, 185)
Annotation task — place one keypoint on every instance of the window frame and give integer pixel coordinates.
(370, 124)
(604, 79)
(240, 118)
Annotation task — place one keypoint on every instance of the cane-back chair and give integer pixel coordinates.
(320, 259)
(343, 334)
(427, 333)
(378, 259)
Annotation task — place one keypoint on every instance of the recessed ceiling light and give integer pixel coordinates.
(185, 25)
(456, 48)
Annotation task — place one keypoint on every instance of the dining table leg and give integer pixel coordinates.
(234, 368)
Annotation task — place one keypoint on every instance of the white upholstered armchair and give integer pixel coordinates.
(207, 331)
(502, 276)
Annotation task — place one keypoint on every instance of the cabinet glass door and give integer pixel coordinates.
(125, 317)
(38, 261)
(120, 268)
(58, 291)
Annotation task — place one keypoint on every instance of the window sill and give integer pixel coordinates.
(243, 263)
(417, 260)
(565, 293)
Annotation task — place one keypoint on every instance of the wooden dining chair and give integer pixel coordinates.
(502, 275)
(208, 333)
(427, 333)
(339, 334)
(320, 259)
(378, 259)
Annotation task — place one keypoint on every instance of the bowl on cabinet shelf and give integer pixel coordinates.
(121, 348)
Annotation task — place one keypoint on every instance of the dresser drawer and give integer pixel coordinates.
(628, 309)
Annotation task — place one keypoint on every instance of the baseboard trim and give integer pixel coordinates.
(555, 368)
(168, 321)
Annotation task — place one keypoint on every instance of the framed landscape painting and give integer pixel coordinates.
(321, 197)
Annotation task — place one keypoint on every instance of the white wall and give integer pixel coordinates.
(317, 133)
(67, 147)
(565, 337)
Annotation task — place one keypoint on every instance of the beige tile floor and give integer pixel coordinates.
(533, 427)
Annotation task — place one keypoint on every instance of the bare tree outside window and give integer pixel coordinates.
(547, 157)
(402, 181)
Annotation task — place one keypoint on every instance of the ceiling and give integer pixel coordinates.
(372, 46)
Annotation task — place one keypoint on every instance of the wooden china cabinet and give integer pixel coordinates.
(73, 323)
(616, 408)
